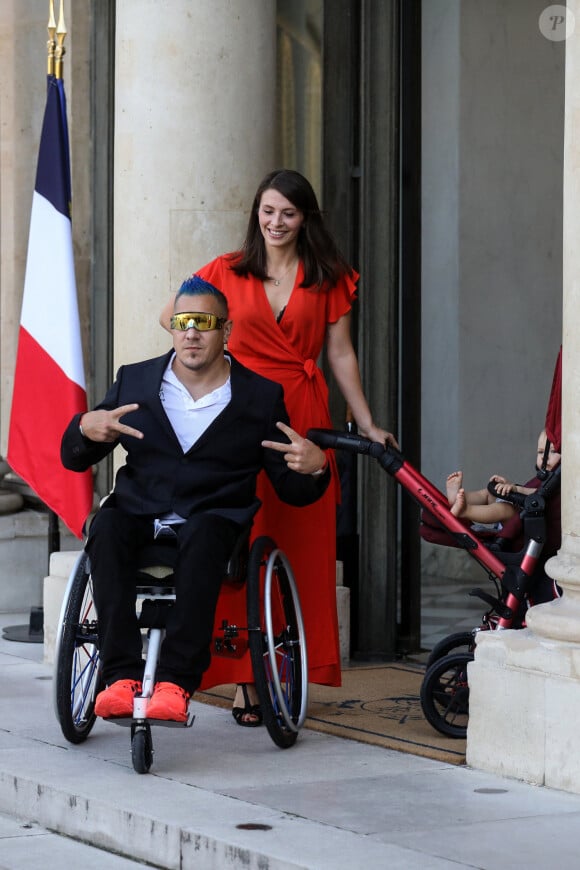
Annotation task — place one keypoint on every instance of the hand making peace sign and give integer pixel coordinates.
(105, 426)
(301, 454)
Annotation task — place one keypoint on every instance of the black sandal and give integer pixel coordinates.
(252, 709)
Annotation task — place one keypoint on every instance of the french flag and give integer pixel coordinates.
(49, 382)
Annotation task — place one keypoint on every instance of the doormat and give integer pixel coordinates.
(376, 704)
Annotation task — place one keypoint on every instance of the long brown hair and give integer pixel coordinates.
(321, 258)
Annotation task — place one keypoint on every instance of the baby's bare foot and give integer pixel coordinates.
(460, 505)
(453, 484)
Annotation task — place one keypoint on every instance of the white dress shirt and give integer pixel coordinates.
(189, 419)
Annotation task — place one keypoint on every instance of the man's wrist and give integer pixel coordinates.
(320, 470)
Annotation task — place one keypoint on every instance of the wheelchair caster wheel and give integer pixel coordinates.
(445, 694)
(142, 748)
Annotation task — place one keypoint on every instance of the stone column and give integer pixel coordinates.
(194, 134)
(525, 685)
(23, 38)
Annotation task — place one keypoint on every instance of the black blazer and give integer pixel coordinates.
(218, 474)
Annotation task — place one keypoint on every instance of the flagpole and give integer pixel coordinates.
(56, 51)
(60, 37)
(51, 44)
(55, 54)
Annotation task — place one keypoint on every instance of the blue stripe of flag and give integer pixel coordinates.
(53, 170)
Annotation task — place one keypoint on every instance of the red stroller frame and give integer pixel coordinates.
(445, 693)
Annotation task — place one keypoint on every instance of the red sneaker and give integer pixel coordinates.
(168, 701)
(116, 700)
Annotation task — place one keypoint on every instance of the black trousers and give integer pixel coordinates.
(204, 542)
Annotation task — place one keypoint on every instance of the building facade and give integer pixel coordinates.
(433, 133)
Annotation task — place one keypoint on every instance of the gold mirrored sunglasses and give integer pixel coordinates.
(197, 320)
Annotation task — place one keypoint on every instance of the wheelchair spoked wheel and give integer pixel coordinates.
(445, 694)
(461, 641)
(77, 661)
(277, 642)
(141, 747)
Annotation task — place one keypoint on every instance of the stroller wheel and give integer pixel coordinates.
(461, 641)
(445, 694)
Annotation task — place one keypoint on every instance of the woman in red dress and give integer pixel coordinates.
(290, 293)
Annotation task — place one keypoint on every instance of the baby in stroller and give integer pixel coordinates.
(498, 521)
(480, 506)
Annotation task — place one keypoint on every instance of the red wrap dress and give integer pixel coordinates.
(287, 352)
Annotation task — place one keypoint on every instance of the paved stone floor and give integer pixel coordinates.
(219, 796)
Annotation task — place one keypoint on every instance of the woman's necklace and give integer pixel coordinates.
(278, 281)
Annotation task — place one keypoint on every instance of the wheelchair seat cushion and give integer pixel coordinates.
(162, 552)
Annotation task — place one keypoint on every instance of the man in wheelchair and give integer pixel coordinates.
(197, 427)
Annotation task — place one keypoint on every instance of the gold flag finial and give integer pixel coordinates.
(51, 44)
(60, 49)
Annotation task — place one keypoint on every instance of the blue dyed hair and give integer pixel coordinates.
(196, 286)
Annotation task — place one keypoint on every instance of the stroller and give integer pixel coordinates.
(523, 546)
(517, 575)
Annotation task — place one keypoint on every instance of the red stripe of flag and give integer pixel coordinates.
(39, 416)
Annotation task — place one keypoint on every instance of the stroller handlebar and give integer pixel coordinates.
(515, 498)
(339, 440)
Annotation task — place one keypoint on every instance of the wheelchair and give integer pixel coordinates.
(274, 634)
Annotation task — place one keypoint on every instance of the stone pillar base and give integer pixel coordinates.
(23, 558)
(524, 708)
(61, 565)
(343, 610)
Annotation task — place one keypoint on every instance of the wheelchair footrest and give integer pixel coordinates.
(128, 722)
(166, 723)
